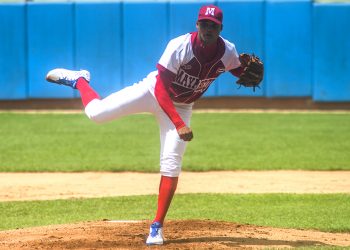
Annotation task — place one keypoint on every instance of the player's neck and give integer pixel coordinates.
(205, 51)
(206, 45)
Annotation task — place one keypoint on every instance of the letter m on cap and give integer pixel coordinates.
(210, 11)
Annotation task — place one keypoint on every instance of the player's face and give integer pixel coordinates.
(208, 31)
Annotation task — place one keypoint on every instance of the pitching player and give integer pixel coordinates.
(189, 64)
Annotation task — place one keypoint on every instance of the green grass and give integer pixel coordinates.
(319, 211)
(270, 141)
(65, 142)
(70, 142)
(316, 247)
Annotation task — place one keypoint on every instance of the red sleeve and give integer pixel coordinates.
(237, 71)
(164, 79)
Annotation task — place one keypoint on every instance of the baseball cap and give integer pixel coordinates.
(210, 12)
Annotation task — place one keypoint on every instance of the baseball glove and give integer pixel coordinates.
(253, 71)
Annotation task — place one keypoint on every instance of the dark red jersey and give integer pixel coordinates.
(193, 74)
(186, 70)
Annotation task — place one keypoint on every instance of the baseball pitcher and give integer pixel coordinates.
(189, 64)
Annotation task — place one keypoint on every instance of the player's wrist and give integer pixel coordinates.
(180, 125)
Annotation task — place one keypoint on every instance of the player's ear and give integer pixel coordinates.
(197, 25)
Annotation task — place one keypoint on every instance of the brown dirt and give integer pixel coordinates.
(217, 103)
(48, 186)
(179, 234)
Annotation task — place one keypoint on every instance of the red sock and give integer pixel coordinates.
(86, 92)
(167, 189)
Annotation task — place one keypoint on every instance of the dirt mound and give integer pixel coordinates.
(187, 234)
(179, 234)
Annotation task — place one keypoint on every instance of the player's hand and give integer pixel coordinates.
(185, 133)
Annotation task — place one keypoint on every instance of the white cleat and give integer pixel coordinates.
(155, 236)
(67, 77)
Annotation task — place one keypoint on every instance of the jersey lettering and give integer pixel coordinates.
(186, 80)
(193, 79)
(203, 85)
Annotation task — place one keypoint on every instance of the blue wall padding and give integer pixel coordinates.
(243, 26)
(331, 52)
(50, 45)
(145, 32)
(13, 65)
(304, 45)
(98, 44)
(288, 48)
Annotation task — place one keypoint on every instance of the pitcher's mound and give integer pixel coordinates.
(189, 234)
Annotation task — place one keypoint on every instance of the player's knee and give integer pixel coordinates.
(94, 113)
(170, 173)
(96, 117)
(170, 166)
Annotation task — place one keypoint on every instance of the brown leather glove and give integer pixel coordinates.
(253, 71)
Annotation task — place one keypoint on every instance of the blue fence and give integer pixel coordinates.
(331, 52)
(304, 45)
(288, 46)
(98, 44)
(13, 54)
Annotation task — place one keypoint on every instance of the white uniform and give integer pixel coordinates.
(180, 59)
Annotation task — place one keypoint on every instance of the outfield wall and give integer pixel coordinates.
(305, 45)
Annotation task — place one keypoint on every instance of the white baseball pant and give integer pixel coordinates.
(140, 98)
